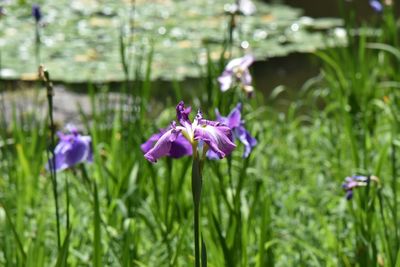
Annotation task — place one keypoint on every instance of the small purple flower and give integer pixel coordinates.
(72, 149)
(376, 5)
(36, 13)
(237, 71)
(236, 124)
(209, 134)
(352, 182)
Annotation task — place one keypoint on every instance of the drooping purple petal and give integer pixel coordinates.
(216, 135)
(71, 150)
(146, 146)
(246, 139)
(169, 144)
(179, 148)
(376, 5)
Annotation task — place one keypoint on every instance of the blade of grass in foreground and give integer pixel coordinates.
(16, 236)
(63, 255)
(97, 232)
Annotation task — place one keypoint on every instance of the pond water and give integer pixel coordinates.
(81, 40)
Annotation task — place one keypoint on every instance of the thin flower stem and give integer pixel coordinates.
(196, 191)
(196, 236)
(44, 75)
(394, 188)
(67, 200)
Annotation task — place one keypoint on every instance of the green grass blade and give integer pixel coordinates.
(63, 255)
(97, 249)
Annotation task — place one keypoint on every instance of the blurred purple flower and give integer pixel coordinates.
(237, 71)
(209, 134)
(352, 182)
(36, 13)
(72, 149)
(236, 124)
(376, 5)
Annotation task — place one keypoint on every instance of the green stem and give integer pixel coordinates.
(67, 200)
(196, 192)
(44, 74)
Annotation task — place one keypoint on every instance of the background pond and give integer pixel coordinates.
(81, 39)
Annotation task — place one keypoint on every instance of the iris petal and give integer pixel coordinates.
(182, 113)
(179, 148)
(163, 146)
(235, 117)
(217, 136)
(246, 139)
(235, 123)
(225, 80)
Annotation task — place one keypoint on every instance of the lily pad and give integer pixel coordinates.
(80, 38)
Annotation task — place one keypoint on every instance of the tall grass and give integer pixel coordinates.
(282, 206)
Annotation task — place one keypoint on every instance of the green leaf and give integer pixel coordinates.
(63, 254)
(97, 249)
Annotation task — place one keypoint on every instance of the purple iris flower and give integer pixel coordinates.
(236, 124)
(376, 5)
(208, 134)
(352, 182)
(36, 13)
(237, 71)
(72, 149)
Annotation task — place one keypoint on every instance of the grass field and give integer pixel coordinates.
(283, 205)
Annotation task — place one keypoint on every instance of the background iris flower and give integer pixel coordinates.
(376, 5)
(355, 181)
(237, 72)
(72, 149)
